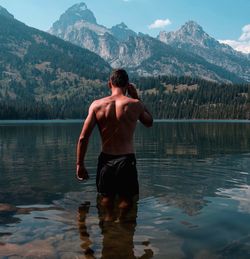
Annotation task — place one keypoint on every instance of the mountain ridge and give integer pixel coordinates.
(192, 38)
(73, 14)
(122, 47)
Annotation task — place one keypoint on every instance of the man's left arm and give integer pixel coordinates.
(88, 126)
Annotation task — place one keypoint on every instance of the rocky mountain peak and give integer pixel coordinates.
(76, 13)
(82, 6)
(80, 12)
(122, 32)
(192, 29)
(122, 25)
(190, 33)
(191, 26)
(5, 13)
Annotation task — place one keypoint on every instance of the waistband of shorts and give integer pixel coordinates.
(111, 157)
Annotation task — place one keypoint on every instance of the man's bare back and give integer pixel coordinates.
(116, 118)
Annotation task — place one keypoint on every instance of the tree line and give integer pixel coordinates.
(166, 96)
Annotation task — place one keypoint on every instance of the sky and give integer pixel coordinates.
(225, 20)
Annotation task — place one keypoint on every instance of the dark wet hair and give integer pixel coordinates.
(119, 78)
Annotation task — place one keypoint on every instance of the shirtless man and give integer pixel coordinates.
(116, 117)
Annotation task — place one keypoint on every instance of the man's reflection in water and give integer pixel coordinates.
(118, 233)
(84, 235)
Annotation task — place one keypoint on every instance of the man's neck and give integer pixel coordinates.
(116, 91)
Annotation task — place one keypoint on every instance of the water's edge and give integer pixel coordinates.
(2, 122)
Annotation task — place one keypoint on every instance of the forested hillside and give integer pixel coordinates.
(167, 98)
(187, 98)
(37, 69)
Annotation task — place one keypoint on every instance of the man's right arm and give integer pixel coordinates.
(82, 145)
(145, 116)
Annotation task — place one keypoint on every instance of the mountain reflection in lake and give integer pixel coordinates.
(194, 193)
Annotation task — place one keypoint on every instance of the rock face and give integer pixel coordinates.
(122, 32)
(78, 25)
(191, 34)
(188, 51)
(73, 14)
(192, 38)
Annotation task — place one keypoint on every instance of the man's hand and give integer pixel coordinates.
(81, 173)
(132, 91)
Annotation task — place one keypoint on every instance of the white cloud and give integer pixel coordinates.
(246, 33)
(243, 43)
(238, 45)
(159, 24)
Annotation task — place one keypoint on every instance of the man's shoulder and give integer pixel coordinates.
(134, 102)
(99, 102)
(107, 99)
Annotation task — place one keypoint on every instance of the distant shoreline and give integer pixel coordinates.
(55, 121)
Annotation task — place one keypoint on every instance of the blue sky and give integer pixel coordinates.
(222, 19)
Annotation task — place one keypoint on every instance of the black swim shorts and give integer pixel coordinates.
(117, 175)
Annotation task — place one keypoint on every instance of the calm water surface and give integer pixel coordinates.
(194, 194)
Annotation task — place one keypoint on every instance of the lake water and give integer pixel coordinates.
(194, 193)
